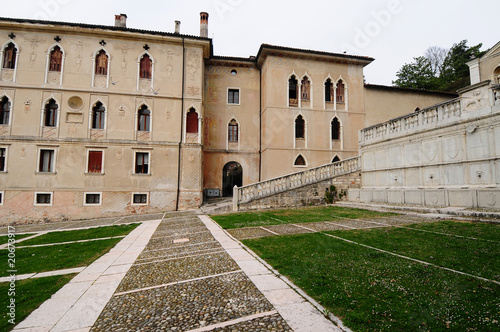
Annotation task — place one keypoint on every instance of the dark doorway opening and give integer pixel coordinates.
(232, 175)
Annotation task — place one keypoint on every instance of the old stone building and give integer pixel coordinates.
(106, 120)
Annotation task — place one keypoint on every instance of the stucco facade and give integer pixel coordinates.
(108, 120)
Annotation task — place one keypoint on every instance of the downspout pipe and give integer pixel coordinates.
(182, 127)
(260, 120)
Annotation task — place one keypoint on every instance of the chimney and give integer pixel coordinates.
(121, 20)
(177, 27)
(204, 24)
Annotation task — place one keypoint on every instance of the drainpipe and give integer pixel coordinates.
(260, 120)
(182, 127)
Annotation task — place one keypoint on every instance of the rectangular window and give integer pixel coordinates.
(46, 163)
(1, 197)
(142, 163)
(43, 198)
(3, 160)
(95, 162)
(92, 199)
(140, 199)
(233, 96)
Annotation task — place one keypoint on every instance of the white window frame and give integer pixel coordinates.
(87, 161)
(53, 170)
(6, 158)
(43, 193)
(94, 66)
(239, 96)
(135, 162)
(139, 204)
(51, 48)
(2, 197)
(92, 204)
(152, 69)
(300, 166)
(2, 54)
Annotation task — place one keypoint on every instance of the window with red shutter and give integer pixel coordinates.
(56, 59)
(101, 63)
(95, 162)
(192, 122)
(9, 60)
(145, 67)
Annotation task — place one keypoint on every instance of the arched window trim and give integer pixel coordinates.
(294, 130)
(341, 132)
(9, 120)
(150, 117)
(94, 65)
(2, 55)
(233, 118)
(329, 77)
(304, 158)
(311, 90)
(293, 74)
(346, 92)
(58, 114)
(496, 75)
(139, 68)
(336, 156)
(47, 66)
(192, 107)
(91, 114)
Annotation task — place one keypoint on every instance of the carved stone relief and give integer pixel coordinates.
(7, 75)
(100, 81)
(54, 77)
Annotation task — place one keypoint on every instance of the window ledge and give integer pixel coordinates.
(46, 173)
(95, 174)
(140, 174)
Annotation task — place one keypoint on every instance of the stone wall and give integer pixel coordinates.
(446, 155)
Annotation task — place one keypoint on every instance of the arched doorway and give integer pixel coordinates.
(232, 175)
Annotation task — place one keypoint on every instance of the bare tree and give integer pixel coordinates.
(436, 56)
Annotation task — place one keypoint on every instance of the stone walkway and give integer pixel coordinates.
(193, 277)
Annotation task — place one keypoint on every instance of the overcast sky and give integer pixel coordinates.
(391, 31)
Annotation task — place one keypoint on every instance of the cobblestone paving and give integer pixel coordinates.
(180, 286)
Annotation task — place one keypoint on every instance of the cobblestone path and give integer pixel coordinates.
(184, 281)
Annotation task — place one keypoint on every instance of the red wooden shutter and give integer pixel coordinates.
(95, 162)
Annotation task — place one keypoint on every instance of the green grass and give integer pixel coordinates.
(375, 291)
(63, 256)
(5, 238)
(476, 257)
(303, 215)
(30, 294)
(84, 234)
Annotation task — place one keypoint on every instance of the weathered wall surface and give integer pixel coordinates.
(448, 155)
(383, 103)
(76, 89)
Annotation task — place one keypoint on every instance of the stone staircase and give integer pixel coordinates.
(297, 189)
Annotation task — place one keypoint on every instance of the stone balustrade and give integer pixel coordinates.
(429, 118)
(292, 181)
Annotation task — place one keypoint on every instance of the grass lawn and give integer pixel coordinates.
(302, 215)
(374, 291)
(30, 294)
(57, 257)
(5, 238)
(84, 234)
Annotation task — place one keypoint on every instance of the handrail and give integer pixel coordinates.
(430, 117)
(295, 180)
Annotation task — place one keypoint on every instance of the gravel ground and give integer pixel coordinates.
(269, 323)
(179, 251)
(249, 233)
(288, 229)
(187, 306)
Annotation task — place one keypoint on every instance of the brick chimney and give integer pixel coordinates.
(121, 20)
(204, 24)
(177, 27)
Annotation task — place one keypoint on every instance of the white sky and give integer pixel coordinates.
(391, 31)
